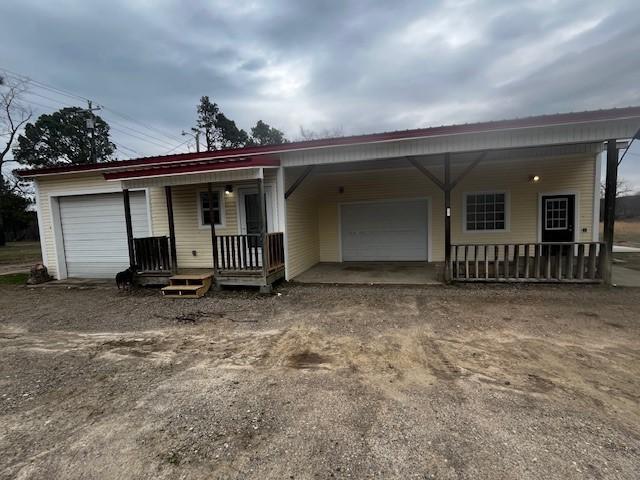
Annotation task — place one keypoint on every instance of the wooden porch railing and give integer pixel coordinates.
(152, 254)
(275, 251)
(239, 252)
(528, 262)
(244, 252)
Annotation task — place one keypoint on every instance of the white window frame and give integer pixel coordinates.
(566, 214)
(221, 202)
(507, 211)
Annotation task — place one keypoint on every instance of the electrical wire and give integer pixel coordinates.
(69, 94)
(118, 144)
(177, 146)
(164, 142)
(47, 108)
(115, 129)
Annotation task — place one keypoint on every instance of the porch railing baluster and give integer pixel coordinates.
(528, 262)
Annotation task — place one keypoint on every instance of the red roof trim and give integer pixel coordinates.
(193, 168)
(526, 122)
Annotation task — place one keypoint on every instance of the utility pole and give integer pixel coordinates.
(196, 135)
(91, 126)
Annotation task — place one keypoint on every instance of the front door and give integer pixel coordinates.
(251, 213)
(558, 218)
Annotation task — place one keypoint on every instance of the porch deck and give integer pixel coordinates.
(376, 273)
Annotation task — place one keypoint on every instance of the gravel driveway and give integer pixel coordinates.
(321, 382)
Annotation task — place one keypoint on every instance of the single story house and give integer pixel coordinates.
(511, 200)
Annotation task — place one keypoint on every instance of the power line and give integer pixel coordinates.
(177, 146)
(111, 121)
(49, 107)
(27, 93)
(139, 132)
(164, 143)
(69, 94)
(127, 117)
(138, 137)
(27, 79)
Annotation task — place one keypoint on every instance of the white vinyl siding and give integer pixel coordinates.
(302, 225)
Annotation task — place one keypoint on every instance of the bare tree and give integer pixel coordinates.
(306, 134)
(623, 188)
(14, 114)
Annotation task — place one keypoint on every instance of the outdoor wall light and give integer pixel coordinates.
(534, 178)
(228, 189)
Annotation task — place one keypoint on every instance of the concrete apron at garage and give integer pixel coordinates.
(380, 273)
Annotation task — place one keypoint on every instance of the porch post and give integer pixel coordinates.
(447, 217)
(127, 219)
(263, 225)
(609, 209)
(212, 221)
(172, 229)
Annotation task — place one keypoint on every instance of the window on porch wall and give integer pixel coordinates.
(485, 211)
(204, 207)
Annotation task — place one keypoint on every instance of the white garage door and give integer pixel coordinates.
(95, 234)
(385, 231)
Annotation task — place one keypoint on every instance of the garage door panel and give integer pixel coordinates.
(95, 234)
(385, 231)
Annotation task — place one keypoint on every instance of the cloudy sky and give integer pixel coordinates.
(359, 66)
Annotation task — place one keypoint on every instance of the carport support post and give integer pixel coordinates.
(447, 217)
(172, 229)
(609, 209)
(212, 221)
(263, 233)
(127, 219)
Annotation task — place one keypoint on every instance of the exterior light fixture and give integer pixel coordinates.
(534, 178)
(228, 189)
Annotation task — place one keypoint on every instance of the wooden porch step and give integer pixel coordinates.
(192, 276)
(185, 288)
(188, 286)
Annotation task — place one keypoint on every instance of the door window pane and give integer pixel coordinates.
(556, 213)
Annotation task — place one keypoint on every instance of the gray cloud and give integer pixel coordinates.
(362, 65)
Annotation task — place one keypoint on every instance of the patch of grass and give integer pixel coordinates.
(628, 260)
(626, 232)
(20, 252)
(14, 279)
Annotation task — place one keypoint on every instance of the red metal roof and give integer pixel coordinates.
(492, 126)
(212, 165)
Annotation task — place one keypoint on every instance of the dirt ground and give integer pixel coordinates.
(321, 382)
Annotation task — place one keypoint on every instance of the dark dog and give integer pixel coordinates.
(124, 279)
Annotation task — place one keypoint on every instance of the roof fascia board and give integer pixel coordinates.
(365, 142)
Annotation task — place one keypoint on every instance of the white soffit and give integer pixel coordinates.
(554, 135)
(219, 176)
